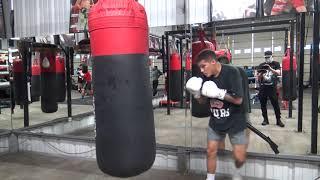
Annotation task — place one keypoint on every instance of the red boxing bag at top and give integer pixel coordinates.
(60, 78)
(175, 77)
(48, 81)
(17, 69)
(35, 77)
(286, 77)
(224, 52)
(188, 72)
(199, 110)
(125, 134)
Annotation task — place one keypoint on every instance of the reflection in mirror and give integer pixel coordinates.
(169, 68)
(273, 123)
(6, 92)
(35, 82)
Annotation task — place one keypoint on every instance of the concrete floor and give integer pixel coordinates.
(181, 129)
(32, 166)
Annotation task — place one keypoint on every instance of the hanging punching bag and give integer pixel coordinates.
(125, 134)
(286, 77)
(245, 86)
(60, 75)
(48, 80)
(199, 110)
(175, 77)
(35, 77)
(17, 69)
(188, 72)
(224, 52)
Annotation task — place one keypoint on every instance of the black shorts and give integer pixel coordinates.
(87, 86)
(80, 80)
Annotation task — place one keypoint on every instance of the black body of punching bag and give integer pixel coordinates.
(35, 78)
(125, 134)
(188, 73)
(61, 83)
(199, 110)
(245, 87)
(286, 77)
(48, 81)
(19, 93)
(175, 77)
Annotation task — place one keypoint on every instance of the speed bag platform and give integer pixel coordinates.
(125, 134)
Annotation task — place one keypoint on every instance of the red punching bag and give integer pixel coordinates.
(199, 110)
(60, 75)
(175, 77)
(224, 52)
(286, 79)
(48, 80)
(17, 69)
(125, 134)
(35, 77)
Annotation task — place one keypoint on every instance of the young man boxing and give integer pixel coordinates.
(221, 85)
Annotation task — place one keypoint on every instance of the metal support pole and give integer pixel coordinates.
(315, 77)
(26, 57)
(168, 74)
(285, 41)
(182, 71)
(298, 35)
(69, 56)
(301, 71)
(210, 11)
(291, 67)
(163, 53)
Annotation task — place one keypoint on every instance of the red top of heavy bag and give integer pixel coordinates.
(286, 61)
(48, 61)
(175, 62)
(188, 62)
(224, 52)
(199, 46)
(60, 64)
(17, 66)
(35, 66)
(118, 27)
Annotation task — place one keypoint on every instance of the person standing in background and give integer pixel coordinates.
(268, 73)
(156, 73)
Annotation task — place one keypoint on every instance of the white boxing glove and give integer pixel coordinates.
(193, 85)
(211, 90)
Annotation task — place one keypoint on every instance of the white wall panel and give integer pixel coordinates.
(198, 11)
(41, 17)
(47, 17)
(160, 12)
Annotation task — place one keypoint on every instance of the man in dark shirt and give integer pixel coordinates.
(222, 87)
(267, 77)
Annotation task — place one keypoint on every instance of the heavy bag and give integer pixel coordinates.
(188, 72)
(199, 110)
(19, 92)
(60, 75)
(175, 77)
(35, 77)
(286, 79)
(224, 52)
(48, 80)
(245, 85)
(125, 134)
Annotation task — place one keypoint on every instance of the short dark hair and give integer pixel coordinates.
(84, 68)
(223, 60)
(268, 53)
(207, 55)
